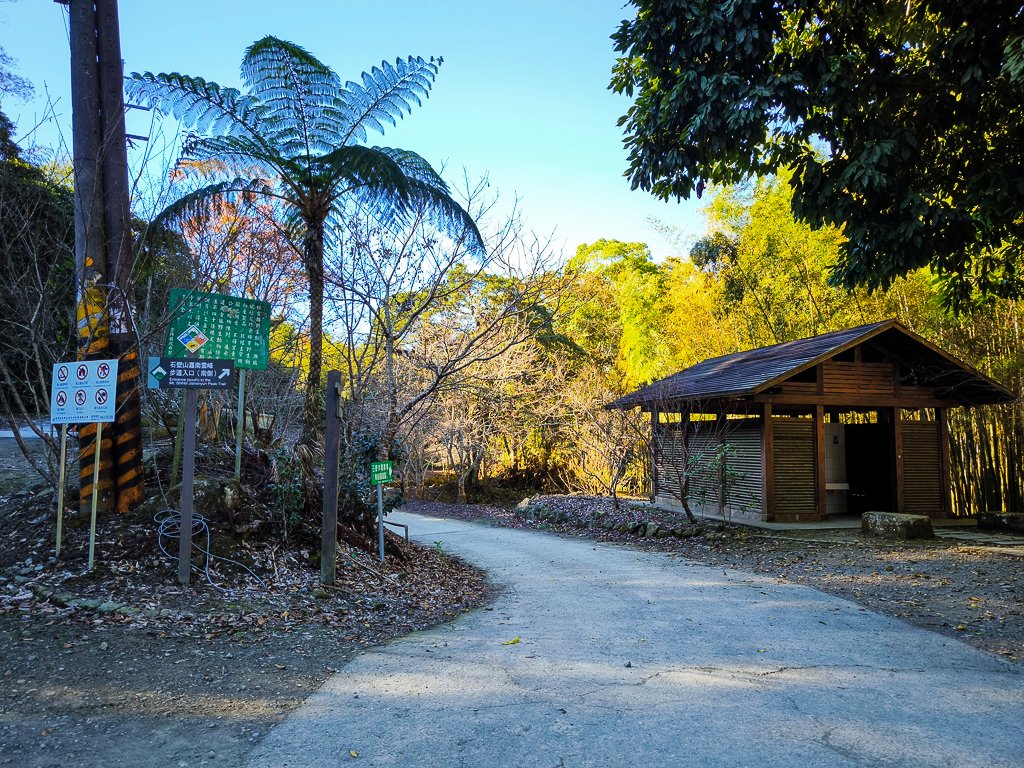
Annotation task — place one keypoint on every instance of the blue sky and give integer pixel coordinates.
(522, 95)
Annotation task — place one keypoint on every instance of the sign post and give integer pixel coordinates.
(329, 523)
(82, 393)
(381, 472)
(188, 472)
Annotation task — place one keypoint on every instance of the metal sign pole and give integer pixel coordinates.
(188, 460)
(95, 491)
(240, 428)
(60, 486)
(380, 521)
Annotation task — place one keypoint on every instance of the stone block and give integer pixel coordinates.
(891, 525)
(1004, 522)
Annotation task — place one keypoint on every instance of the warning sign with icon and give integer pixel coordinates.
(193, 338)
(88, 399)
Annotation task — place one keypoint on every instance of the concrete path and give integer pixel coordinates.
(634, 659)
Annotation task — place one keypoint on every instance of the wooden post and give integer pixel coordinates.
(60, 486)
(899, 496)
(240, 424)
(655, 437)
(95, 495)
(114, 162)
(820, 495)
(332, 443)
(945, 504)
(90, 254)
(767, 464)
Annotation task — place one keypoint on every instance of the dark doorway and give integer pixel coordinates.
(869, 467)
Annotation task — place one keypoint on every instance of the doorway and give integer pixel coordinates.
(869, 467)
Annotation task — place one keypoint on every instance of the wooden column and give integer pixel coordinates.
(899, 496)
(820, 497)
(655, 450)
(945, 503)
(767, 464)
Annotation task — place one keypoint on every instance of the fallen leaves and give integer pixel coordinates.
(514, 641)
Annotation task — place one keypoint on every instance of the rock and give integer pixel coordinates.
(526, 503)
(215, 497)
(663, 533)
(891, 525)
(651, 529)
(1004, 522)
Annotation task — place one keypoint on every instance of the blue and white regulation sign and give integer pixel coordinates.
(83, 392)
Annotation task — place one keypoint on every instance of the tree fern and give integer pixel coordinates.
(296, 135)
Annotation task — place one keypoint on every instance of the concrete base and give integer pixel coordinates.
(890, 525)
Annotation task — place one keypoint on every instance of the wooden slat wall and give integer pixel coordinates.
(670, 459)
(705, 480)
(921, 468)
(745, 494)
(861, 378)
(794, 466)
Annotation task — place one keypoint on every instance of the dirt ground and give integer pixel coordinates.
(970, 592)
(124, 667)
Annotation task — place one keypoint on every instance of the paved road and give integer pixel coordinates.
(637, 659)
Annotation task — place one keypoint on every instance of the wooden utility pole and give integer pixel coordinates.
(103, 248)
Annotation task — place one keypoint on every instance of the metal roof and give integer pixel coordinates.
(751, 372)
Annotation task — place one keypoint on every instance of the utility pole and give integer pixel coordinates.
(103, 247)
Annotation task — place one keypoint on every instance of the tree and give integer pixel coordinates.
(36, 298)
(902, 122)
(296, 137)
(428, 320)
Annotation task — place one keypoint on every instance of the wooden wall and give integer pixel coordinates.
(703, 440)
(922, 480)
(795, 473)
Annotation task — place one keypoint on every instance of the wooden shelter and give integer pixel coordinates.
(836, 424)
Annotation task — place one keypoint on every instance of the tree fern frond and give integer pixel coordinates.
(398, 184)
(302, 95)
(197, 202)
(386, 94)
(197, 103)
(235, 153)
(415, 166)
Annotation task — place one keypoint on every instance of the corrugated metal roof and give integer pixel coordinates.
(747, 373)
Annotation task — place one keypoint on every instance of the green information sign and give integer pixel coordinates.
(381, 472)
(213, 326)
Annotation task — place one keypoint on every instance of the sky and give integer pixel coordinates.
(522, 96)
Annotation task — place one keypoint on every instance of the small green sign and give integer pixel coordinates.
(213, 326)
(381, 472)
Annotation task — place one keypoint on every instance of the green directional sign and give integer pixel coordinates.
(381, 472)
(212, 326)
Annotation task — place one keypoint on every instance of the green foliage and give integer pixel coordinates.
(618, 279)
(287, 488)
(902, 123)
(36, 279)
